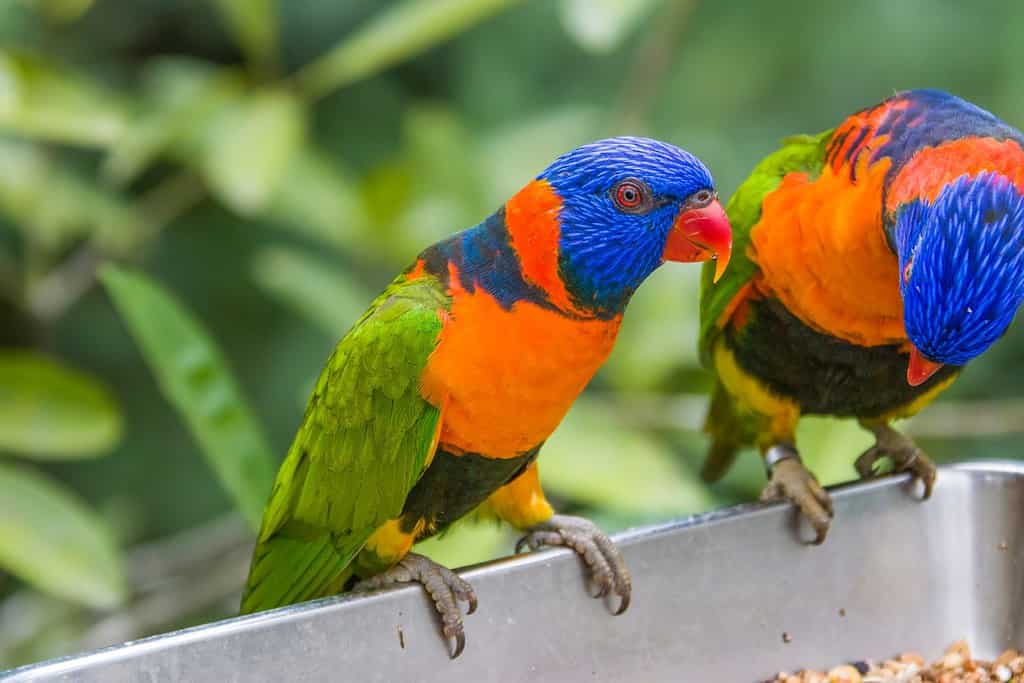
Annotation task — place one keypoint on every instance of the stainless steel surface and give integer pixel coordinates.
(712, 598)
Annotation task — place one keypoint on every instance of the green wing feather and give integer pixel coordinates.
(799, 153)
(362, 445)
(729, 428)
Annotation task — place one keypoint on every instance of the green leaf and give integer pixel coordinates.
(255, 28)
(326, 295)
(248, 147)
(49, 410)
(594, 460)
(601, 25)
(40, 99)
(396, 34)
(50, 539)
(195, 378)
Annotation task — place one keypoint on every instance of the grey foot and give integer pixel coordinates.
(790, 480)
(902, 451)
(607, 568)
(444, 586)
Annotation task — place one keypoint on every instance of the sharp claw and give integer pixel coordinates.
(905, 454)
(824, 499)
(444, 587)
(608, 573)
(460, 644)
(623, 604)
(520, 544)
(791, 481)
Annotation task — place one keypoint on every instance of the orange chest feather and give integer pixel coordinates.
(508, 377)
(823, 253)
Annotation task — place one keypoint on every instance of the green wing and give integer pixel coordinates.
(800, 153)
(361, 447)
(730, 427)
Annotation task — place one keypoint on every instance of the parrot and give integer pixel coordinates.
(439, 399)
(873, 262)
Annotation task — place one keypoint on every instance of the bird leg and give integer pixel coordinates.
(444, 586)
(788, 479)
(607, 568)
(901, 449)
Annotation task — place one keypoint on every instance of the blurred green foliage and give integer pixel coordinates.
(258, 170)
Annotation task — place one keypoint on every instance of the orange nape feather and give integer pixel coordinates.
(531, 217)
(817, 238)
(418, 270)
(931, 168)
(510, 376)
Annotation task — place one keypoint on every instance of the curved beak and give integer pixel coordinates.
(920, 368)
(699, 235)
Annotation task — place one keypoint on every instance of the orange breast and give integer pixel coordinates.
(823, 253)
(509, 377)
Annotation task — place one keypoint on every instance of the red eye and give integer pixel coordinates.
(629, 195)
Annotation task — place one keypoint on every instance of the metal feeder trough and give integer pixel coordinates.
(729, 596)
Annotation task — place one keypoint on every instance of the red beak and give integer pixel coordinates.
(920, 368)
(699, 235)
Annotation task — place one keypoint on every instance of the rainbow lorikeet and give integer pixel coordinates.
(873, 262)
(439, 399)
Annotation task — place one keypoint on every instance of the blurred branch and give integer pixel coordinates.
(942, 420)
(52, 294)
(1000, 417)
(176, 601)
(151, 564)
(178, 577)
(646, 75)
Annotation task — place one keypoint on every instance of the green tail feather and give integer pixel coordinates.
(720, 458)
(288, 570)
(728, 432)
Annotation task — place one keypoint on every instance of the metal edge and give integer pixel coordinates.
(1007, 468)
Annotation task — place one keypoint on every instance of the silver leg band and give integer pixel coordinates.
(776, 454)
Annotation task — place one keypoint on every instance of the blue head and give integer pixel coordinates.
(628, 204)
(962, 264)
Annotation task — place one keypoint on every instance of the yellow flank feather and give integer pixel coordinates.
(782, 413)
(386, 546)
